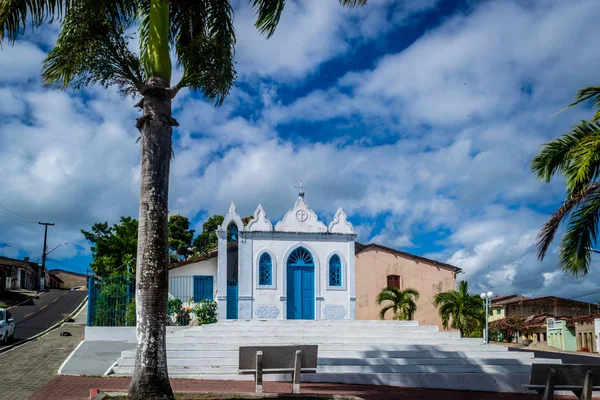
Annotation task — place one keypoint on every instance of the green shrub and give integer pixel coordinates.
(206, 312)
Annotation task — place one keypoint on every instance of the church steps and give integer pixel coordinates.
(370, 352)
(350, 354)
(285, 340)
(352, 362)
(374, 331)
(298, 322)
(363, 333)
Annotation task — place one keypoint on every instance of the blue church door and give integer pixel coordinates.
(300, 285)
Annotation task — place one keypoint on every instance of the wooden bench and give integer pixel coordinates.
(295, 360)
(580, 379)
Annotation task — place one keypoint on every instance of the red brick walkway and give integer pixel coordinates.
(78, 388)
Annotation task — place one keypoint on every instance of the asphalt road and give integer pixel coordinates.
(567, 358)
(39, 314)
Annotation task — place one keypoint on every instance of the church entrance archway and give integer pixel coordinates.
(300, 285)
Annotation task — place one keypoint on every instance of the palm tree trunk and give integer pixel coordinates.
(151, 377)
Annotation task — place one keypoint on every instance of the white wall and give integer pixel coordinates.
(181, 279)
(331, 303)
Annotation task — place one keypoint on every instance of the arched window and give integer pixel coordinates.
(335, 271)
(265, 270)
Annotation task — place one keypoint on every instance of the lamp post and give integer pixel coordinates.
(486, 298)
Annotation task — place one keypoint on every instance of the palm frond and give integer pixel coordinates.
(15, 13)
(554, 156)
(592, 92)
(268, 13)
(550, 228)
(584, 165)
(385, 310)
(92, 48)
(581, 234)
(204, 38)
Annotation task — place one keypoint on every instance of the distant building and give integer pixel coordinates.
(498, 310)
(547, 305)
(18, 274)
(68, 279)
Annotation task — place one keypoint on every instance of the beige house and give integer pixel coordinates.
(68, 279)
(377, 267)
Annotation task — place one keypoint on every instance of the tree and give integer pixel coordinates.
(575, 156)
(208, 240)
(180, 236)
(113, 247)
(92, 48)
(463, 309)
(401, 302)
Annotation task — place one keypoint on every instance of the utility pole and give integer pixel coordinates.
(44, 254)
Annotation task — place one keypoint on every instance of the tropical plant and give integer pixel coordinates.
(205, 311)
(576, 156)
(93, 48)
(180, 237)
(505, 329)
(459, 309)
(401, 302)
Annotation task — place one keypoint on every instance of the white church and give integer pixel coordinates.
(298, 269)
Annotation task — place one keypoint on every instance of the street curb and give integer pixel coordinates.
(37, 296)
(53, 327)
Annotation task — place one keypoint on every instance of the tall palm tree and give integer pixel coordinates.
(92, 48)
(401, 302)
(459, 309)
(576, 156)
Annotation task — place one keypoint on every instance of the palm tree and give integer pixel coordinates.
(92, 48)
(460, 307)
(401, 302)
(576, 156)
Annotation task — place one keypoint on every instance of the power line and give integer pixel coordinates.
(15, 215)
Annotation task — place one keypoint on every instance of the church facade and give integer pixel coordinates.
(299, 268)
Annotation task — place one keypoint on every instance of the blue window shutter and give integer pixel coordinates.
(203, 288)
(265, 270)
(335, 271)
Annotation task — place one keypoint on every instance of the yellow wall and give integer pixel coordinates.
(496, 314)
(372, 267)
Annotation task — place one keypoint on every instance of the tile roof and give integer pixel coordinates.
(359, 248)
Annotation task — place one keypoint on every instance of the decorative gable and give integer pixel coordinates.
(340, 223)
(232, 216)
(259, 223)
(300, 219)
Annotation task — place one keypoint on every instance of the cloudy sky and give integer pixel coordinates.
(418, 117)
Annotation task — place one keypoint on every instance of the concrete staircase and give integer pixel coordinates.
(397, 353)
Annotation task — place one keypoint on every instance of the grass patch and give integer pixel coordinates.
(3, 304)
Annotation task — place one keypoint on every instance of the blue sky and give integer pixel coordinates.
(419, 118)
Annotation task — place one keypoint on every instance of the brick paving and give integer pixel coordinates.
(78, 388)
(26, 369)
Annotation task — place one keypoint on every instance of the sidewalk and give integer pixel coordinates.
(78, 388)
(26, 369)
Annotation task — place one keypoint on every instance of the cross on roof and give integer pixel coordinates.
(301, 189)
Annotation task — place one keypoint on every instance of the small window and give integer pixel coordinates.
(265, 270)
(393, 281)
(497, 312)
(335, 271)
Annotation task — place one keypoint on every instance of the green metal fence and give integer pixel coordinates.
(111, 301)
